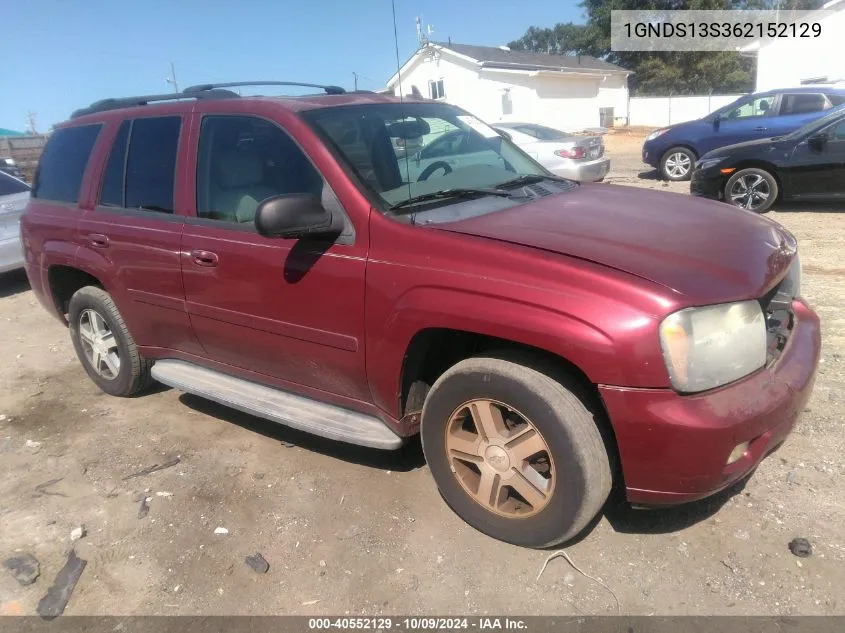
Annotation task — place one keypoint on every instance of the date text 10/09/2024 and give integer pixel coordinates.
(417, 624)
(705, 30)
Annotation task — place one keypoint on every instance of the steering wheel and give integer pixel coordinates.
(440, 164)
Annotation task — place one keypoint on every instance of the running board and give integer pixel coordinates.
(295, 411)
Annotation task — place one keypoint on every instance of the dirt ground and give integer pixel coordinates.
(350, 531)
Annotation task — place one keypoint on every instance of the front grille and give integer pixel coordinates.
(780, 319)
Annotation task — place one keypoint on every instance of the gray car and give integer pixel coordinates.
(14, 195)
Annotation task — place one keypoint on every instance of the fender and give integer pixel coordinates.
(520, 321)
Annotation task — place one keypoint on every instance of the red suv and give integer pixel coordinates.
(548, 340)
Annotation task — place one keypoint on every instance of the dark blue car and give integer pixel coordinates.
(673, 150)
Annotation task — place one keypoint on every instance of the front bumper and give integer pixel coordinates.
(587, 171)
(651, 156)
(674, 448)
(707, 183)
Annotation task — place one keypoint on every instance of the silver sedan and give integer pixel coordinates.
(580, 158)
(14, 195)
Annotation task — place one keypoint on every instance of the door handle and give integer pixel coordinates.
(760, 128)
(98, 240)
(204, 258)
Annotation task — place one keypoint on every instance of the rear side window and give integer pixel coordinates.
(63, 163)
(151, 163)
(802, 103)
(836, 99)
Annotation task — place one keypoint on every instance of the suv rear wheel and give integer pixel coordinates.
(104, 345)
(677, 164)
(515, 453)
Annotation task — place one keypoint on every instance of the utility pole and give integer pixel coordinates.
(355, 76)
(30, 123)
(172, 79)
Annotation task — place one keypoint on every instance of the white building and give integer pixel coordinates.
(498, 84)
(791, 62)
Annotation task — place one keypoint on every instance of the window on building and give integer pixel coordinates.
(63, 163)
(151, 164)
(245, 160)
(802, 103)
(435, 89)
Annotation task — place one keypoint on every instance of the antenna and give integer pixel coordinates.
(419, 30)
(172, 79)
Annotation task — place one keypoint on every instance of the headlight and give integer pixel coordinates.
(708, 163)
(712, 346)
(655, 134)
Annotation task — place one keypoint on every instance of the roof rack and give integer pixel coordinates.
(200, 91)
(126, 102)
(330, 90)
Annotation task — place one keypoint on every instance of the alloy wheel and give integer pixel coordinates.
(678, 164)
(500, 458)
(99, 344)
(750, 191)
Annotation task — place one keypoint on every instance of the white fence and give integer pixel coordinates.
(659, 111)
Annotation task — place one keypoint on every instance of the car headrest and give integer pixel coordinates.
(237, 169)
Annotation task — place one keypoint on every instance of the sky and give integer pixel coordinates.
(59, 55)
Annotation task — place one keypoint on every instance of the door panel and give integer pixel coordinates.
(818, 170)
(745, 121)
(138, 251)
(292, 310)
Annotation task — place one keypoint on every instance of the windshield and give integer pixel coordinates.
(10, 185)
(833, 115)
(442, 148)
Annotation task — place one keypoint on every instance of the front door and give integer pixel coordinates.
(133, 232)
(817, 167)
(746, 121)
(292, 310)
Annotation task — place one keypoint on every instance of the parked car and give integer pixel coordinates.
(579, 158)
(8, 166)
(673, 150)
(808, 164)
(14, 194)
(546, 339)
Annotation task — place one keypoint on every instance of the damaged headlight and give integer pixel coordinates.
(711, 346)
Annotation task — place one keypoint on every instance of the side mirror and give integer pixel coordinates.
(716, 121)
(817, 141)
(296, 215)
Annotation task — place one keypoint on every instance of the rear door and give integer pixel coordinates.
(796, 109)
(131, 235)
(817, 167)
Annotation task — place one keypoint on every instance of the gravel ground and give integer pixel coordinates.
(348, 531)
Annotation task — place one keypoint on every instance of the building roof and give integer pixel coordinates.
(494, 57)
(5, 132)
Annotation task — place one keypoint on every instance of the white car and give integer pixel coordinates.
(578, 158)
(14, 195)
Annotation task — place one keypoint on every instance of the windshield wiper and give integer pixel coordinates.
(464, 192)
(530, 179)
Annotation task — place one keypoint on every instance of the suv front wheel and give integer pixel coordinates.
(104, 345)
(515, 453)
(677, 164)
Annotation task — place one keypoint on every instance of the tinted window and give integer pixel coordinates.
(63, 163)
(112, 191)
(151, 164)
(243, 161)
(836, 99)
(802, 103)
(837, 132)
(9, 185)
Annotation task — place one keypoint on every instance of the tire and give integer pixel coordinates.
(580, 471)
(133, 371)
(674, 161)
(760, 182)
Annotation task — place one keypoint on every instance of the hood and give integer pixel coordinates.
(708, 251)
(757, 145)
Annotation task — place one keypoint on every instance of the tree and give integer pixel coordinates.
(656, 72)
